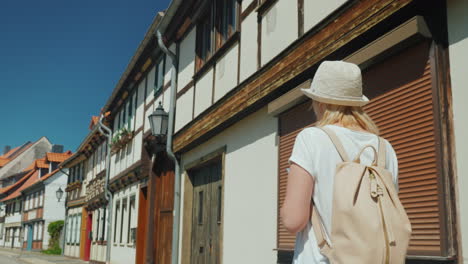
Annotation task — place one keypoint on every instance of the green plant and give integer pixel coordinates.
(54, 229)
(55, 251)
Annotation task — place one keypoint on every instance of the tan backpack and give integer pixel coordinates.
(369, 223)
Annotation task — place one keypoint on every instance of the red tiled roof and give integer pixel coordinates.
(6, 155)
(32, 178)
(16, 184)
(94, 121)
(3, 161)
(58, 157)
(41, 163)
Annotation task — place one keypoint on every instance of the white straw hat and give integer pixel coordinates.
(337, 82)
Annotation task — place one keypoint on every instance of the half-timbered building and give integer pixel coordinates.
(240, 65)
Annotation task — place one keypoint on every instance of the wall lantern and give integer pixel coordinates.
(59, 194)
(158, 121)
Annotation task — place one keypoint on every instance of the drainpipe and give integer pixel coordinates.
(170, 132)
(107, 133)
(66, 218)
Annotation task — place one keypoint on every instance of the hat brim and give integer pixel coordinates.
(334, 100)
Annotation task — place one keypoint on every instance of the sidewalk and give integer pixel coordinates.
(38, 258)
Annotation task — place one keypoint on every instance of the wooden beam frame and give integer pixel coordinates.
(355, 21)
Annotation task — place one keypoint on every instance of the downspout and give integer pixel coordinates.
(170, 132)
(66, 218)
(107, 133)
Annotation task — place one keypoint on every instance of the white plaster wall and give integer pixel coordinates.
(186, 59)
(279, 29)
(13, 218)
(167, 69)
(316, 11)
(149, 111)
(167, 99)
(226, 72)
(249, 45)
(250, 186)
(458, 38)
(53, 209)
(98, 253)
(203, 92)
(140, 106)
(124, 253)
(184, 109)
(150, 84)
(246, 3)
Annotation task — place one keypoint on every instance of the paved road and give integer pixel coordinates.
(8, 258)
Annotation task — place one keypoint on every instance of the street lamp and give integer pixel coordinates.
(59, 194)
(158, 121)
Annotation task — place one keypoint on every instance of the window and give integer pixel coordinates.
(35, 201)
(98, 221)
(131, 213)
(78, 227)
(226, 22)
(117, 210)
(218, 25)
(124, 212)
(39, 231)
(204, 40)
(159, 76)
(68, 239)
(41, 198)
(103, 220)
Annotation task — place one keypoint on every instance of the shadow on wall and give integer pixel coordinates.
(457, 12)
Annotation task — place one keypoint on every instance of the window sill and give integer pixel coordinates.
(231, 41)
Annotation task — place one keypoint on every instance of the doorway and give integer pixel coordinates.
(142, 225)
(89, 227)
(207, 213)
(30, 237)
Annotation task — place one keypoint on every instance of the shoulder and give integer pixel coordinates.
(312, 133)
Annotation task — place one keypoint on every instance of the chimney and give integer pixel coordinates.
(6, 149)
(57, 148)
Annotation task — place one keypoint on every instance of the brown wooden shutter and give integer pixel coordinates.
(405, 116)
(290, 124)
(402, 105)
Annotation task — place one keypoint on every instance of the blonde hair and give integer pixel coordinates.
(348, 116)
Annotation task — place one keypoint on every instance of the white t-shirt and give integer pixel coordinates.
(315, 152)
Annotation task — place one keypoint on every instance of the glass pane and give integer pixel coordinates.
(219, 203)
(200, 207)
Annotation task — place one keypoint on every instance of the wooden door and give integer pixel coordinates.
(142, 226)
(207, 214)
(84, 220)
(89, 228)
(163, 180)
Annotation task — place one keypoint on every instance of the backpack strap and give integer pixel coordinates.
(319, 231)
(382, 154)
(337, 142)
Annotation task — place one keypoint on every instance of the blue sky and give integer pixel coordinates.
(60, 61)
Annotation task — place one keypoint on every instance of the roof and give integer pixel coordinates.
(32, 178)
(57, 157)
(13, 153)
(136, 56)
(47, 176)
(42, 163)
(3, 161)
(94, 121)
(16, 184)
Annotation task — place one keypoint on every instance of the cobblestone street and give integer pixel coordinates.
(21, 257)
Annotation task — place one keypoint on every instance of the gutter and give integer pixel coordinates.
(177, 180)
(108, 133)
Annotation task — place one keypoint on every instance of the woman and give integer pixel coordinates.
(337, 96)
